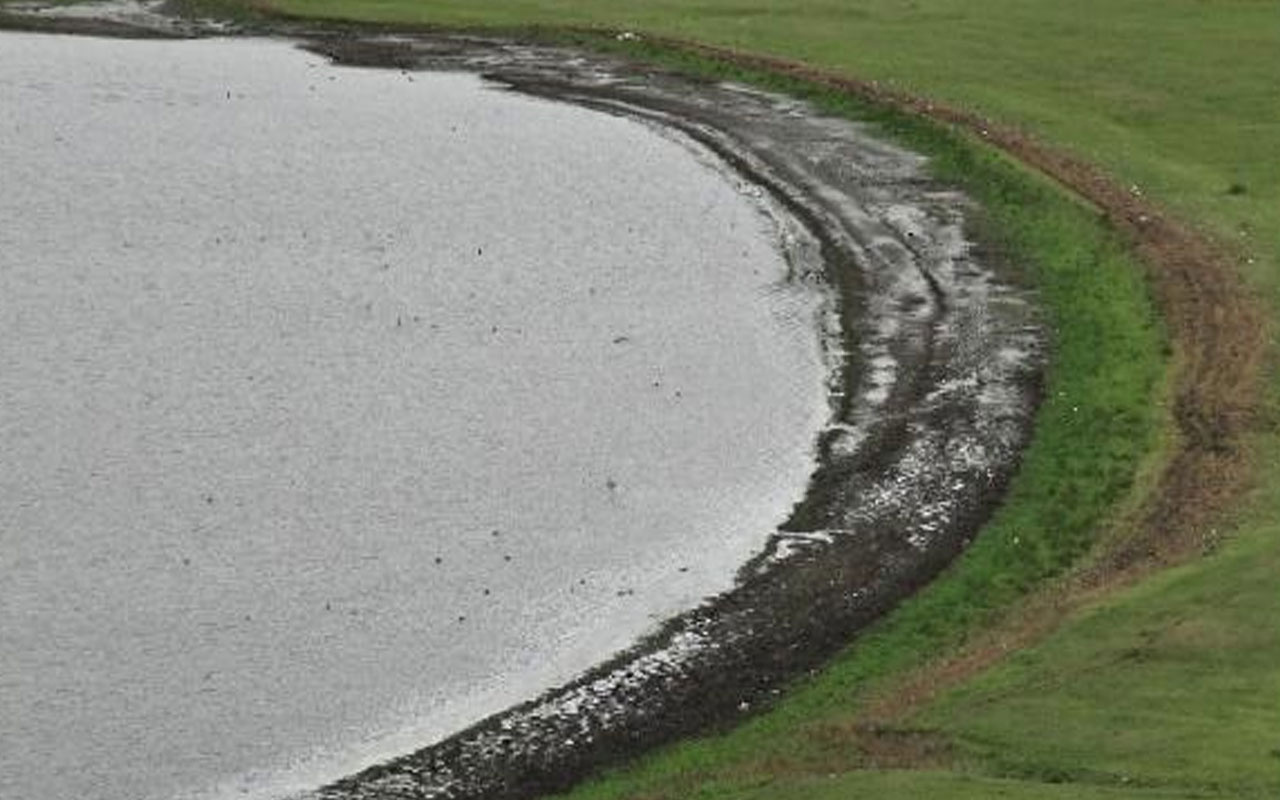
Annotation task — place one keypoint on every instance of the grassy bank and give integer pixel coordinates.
(1167, 688)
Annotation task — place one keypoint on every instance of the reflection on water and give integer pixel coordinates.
(341, 407)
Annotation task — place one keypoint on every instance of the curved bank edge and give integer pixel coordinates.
(936, 363)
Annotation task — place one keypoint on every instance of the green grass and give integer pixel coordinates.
(927, 785)
(1172, 688)
(1173, 684)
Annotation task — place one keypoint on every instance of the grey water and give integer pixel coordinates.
(340, 408)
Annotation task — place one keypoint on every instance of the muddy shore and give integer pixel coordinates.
(936, 357)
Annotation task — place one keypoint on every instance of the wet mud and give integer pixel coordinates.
(935, 355)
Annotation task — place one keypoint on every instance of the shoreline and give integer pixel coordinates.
(894, 498)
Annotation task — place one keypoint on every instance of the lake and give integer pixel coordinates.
(343, 407)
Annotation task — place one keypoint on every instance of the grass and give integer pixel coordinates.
(1173, 685)
(916, 784)
(1166, 689)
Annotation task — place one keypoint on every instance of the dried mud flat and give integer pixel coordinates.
(935, 358)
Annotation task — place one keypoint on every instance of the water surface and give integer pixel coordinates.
(342, 407)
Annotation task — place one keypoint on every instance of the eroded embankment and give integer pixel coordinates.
(935, 360)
